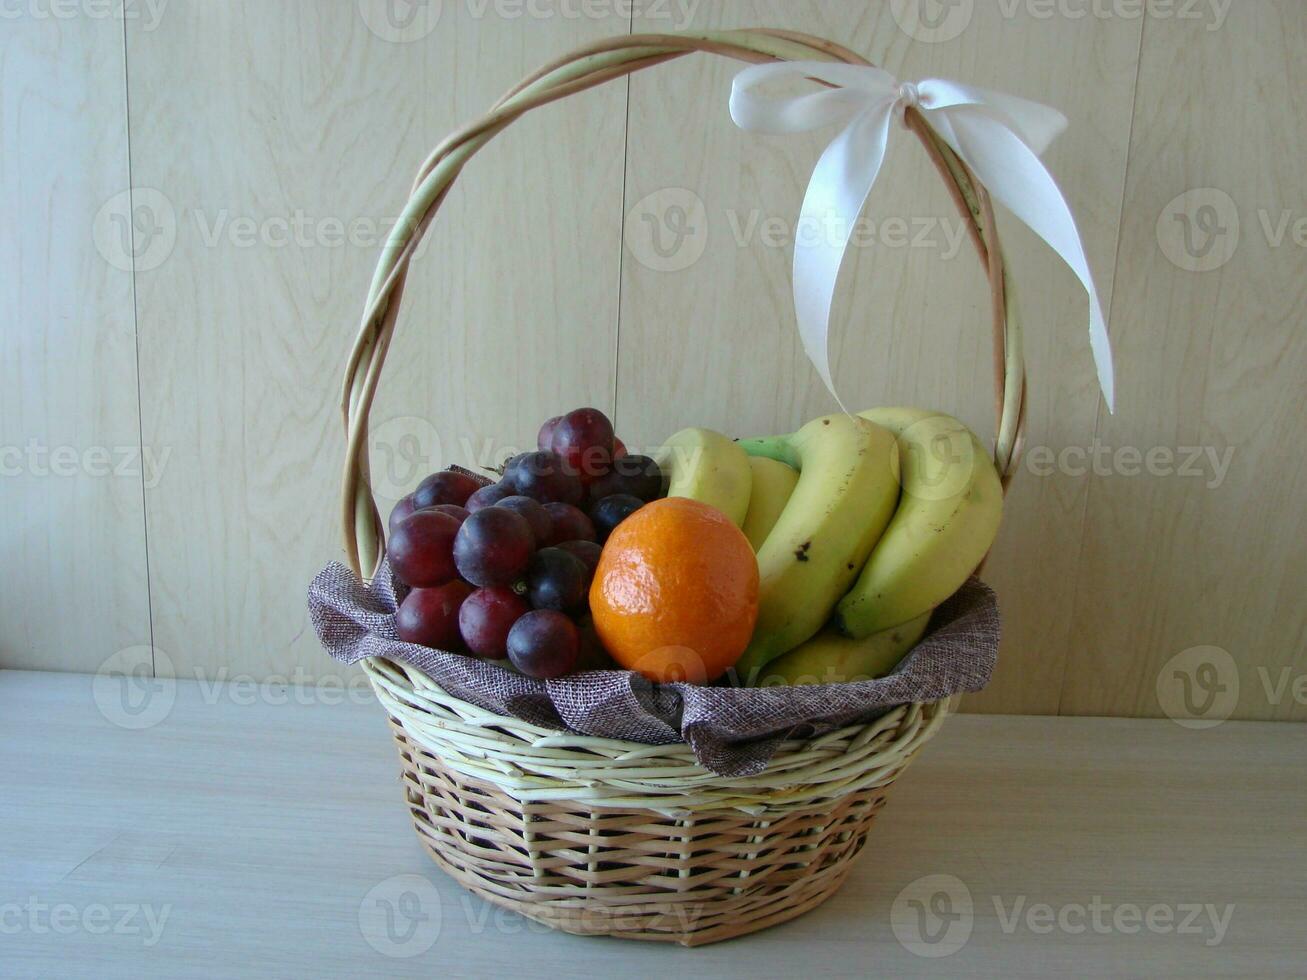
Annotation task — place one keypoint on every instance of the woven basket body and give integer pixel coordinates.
(598, 836)
(595, 836)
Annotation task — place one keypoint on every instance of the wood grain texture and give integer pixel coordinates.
(265, 838)
(1212, 358)
(72, 535)
(250, 116)
(714, 343)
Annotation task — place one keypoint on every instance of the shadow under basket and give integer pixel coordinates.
(596, 836)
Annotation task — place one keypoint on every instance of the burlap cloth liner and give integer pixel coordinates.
(732, 731)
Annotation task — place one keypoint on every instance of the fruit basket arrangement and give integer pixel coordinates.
(662, 694)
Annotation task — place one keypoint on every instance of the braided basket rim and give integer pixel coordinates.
(537, 764)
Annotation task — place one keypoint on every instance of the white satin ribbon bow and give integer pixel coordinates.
(998, 136)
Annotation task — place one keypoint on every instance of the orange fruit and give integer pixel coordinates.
(675, 596)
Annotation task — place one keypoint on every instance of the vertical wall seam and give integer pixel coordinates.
(1098, 416)
(621, 228)
(136, 340)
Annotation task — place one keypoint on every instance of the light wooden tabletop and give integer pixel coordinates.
(235, 831)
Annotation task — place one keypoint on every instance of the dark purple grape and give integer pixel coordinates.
(545, 438)
(458, 513)
(488, 496)
(535, 514)
(486, 617)
(493, 547)
(587, 551)
(541, 477)
(593, 656)
(421, 551)
(569, 524)
(445, 487)
(431, 616)
(556, 579)
(402, 510)
(611, 511)
(584, 440)
(637, 475)
(544, 643)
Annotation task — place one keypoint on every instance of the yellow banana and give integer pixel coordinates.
(709, 467)
(832, 658)
(773, 483)
(848, 486)
(947, 517)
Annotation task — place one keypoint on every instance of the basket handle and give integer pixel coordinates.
(585, 68)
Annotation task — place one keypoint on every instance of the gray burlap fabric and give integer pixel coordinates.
(732, 731)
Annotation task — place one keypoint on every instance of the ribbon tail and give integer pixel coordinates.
(1018, 180)
(836, 193)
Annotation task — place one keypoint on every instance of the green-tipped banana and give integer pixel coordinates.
(848, 486)
(946, 520)
(773, 483)
(832, 658)
(709, 467)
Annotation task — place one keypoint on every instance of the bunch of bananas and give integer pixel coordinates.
(862, 525)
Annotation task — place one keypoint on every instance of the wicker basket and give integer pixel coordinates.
(594, 835)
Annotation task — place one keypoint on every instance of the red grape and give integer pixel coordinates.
(542, 476)
(445, 487)
(402, 510)
(568, 524)
(619, 449)
(611, 511)
(584, 440)
(544, 643)
(431, 616)
(493, 547)
(637, 475)
(458, 513)
(546, 436)
(486, 617)
(488, 496)
(535, 514)
(421, 551)
(587, 551)
(556, 579)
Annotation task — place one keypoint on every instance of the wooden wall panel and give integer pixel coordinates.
(72, 535)
(272, 143)
(248, 116)
(708, 334)
(1213, 355)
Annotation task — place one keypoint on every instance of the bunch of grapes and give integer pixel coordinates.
(504, 570)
